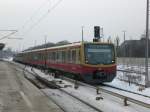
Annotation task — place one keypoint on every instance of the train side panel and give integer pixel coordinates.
(71, 60)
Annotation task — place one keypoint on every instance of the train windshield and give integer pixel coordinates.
(99, 54)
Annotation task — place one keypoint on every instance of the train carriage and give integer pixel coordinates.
(93, 62)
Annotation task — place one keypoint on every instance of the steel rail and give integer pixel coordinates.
(125, 90)
(131, 71)
(24, 70)
(125, 98)
(50, 84)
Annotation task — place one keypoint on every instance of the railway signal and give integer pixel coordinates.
(98, 33)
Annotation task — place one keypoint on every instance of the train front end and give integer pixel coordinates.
(99, 62)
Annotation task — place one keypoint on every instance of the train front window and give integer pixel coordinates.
(99, 54)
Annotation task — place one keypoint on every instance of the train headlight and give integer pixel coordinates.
(86, 61)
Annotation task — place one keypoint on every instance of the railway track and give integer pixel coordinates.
(131, 71)
(125, 90)
(124, 98)
(54, 86)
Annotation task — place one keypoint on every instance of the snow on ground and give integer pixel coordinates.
(68, 103)
(43, 75)
(89, 95)
(7, 59)
(138, 77)
(131, 67)
(114, 104)
(117, 82)
(132, 87)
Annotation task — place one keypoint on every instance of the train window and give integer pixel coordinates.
(29, 56)
(35, 57)
(42, 57)
(49, 56)
(45, 56)
(63, 57)
(78, 56)
(39, 56)
(99, 54)
(73, 56)
(60, 53)
(57, 57)
(68, 56)
(60, 56)
(54, 56)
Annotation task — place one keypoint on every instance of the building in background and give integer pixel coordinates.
(133, 48)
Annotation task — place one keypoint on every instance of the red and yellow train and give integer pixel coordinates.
(93, 62)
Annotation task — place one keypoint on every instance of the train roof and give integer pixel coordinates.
(55, 47)
(61, 46)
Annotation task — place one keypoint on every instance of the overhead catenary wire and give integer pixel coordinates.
(15, 31)
(8, 30)
(42, 17)
(34, 13)
(15, 38)
(31, 19)
(6, 36)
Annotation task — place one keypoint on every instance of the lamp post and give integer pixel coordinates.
(147, 77)
(45, 53)
(124, 39)
(82, 34)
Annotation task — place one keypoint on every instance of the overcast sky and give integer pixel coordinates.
(64, 22)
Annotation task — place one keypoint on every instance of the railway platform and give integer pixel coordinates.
(17, 94)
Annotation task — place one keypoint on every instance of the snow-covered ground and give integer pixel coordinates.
(89, 95)
(116, 83)
(132, 87)
(68, 103)
(7, 59)
(135, 65)
(123, 79)
(138, 77)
